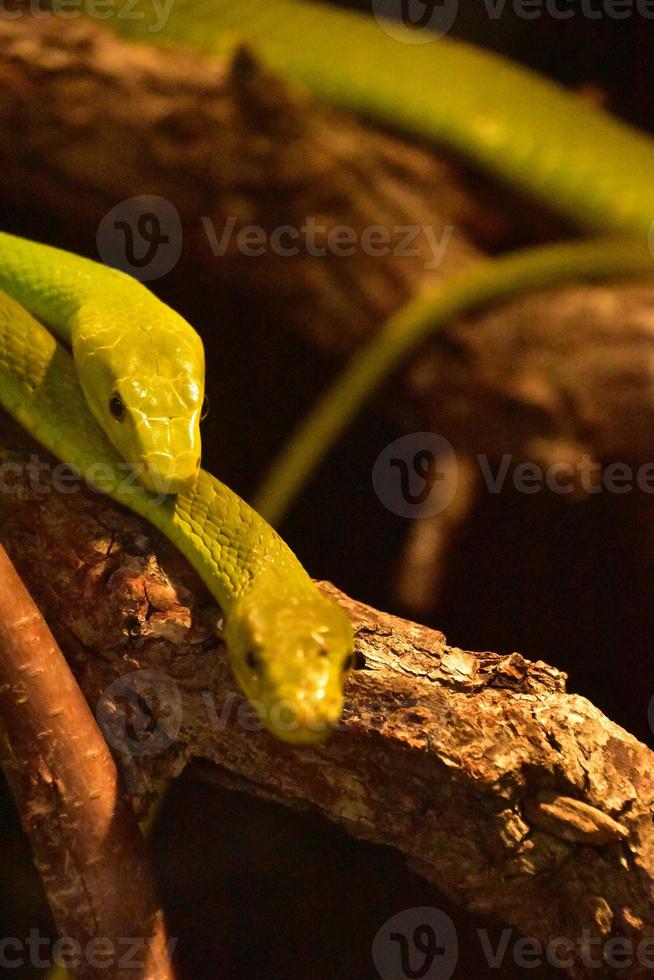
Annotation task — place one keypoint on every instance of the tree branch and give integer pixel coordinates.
(93, 120)
(84, 835)
(513, 796)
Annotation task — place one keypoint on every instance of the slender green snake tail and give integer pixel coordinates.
(514, 124)
(489, 282)
(521, 128)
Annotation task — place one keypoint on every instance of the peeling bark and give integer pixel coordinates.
(511, 795)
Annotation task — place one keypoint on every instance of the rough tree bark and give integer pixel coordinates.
(84, 835)
(90, 120)
(511, 795)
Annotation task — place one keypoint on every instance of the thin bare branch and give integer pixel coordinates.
(84, 834)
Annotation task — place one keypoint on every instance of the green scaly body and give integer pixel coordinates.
(289, 645)
(515, 124)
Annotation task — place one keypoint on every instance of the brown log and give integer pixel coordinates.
(85, 839)
(512, 796)
(88, 121)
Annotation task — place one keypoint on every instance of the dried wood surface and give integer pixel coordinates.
(513, 796)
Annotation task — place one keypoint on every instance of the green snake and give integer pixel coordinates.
(137, 363)
(289, 644)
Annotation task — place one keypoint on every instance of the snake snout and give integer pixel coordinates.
(303, 722)
(168, 473)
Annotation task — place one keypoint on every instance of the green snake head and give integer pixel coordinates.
(147, 395)
(291, 652)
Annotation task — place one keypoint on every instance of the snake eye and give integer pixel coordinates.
(205, 409)
(117, 407)
(253, 661)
